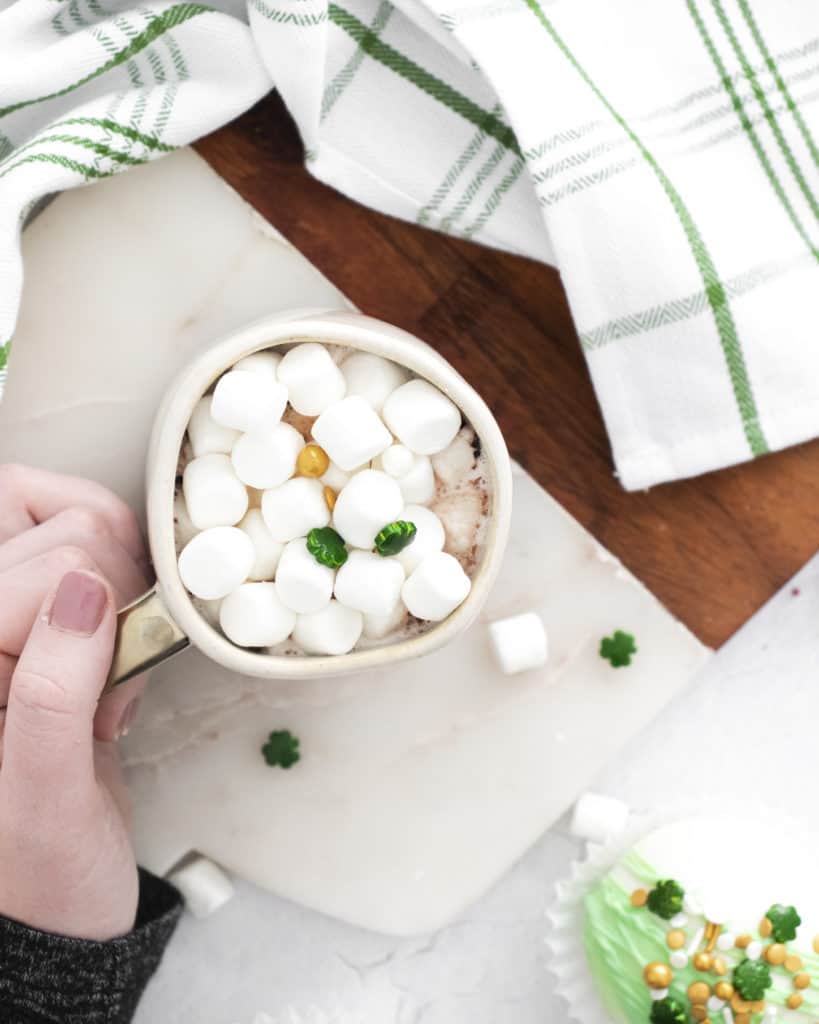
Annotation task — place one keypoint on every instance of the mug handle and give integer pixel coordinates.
(146, 636)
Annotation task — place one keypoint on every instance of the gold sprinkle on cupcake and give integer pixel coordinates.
(639, 897)
(745, 940)
(794, 1002)
(793, 963)
(816, 944)
(723, 990)
(699, 992)
(776, 954)
(765, 928)
(658, 975)
(699, 1012)
(720, 967)
(675, 939)
(703, 961)
(801, 980)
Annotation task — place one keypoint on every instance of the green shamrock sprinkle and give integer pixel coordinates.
(618, 649)
(752, 979)
(667, 1011)
(666, 900)
(395, 537)
(327, 546)
(282, 749)
(785, 921)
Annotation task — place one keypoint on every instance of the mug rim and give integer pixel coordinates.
(358, 332)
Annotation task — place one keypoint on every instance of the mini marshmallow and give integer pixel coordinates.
(376, 627)
(254, 616)
(268, 551)
(295, 508)
(369, 502)
(335, 478)
(312, 379)
(214, 495)
(302, 583)
(216, 562)
(204, 886)
(369, 582)
(248, 401)
(422, 417)
(264, 363)
(753, 951)
(726, 941)
(372, 378)
(679, 959)
(208, 437)
(436, 587)
(429, 537)
(418, 484)
(267, 458)
(333, 630)
(598, 818)
(397, 460)
(351, 433)
(518, 643)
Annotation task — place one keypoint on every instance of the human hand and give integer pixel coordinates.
(66, 863)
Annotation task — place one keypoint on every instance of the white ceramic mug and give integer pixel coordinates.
(165, 620)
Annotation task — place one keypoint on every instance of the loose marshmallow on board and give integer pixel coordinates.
(264, 363)
(351, 433)
(518, 643)
(254, 616)
(208, 437)
(266, 458)
(369, 582)
(295, 508)
(216, 562)
(268, 551)
(422, 417)
(247, 401)
(369, 502)
(302, 583)
(204, 886)
(429, 536)
(598, 818)
(333, 630)
(312, 379)
(372, 378)
(214, 495)
(436, 587)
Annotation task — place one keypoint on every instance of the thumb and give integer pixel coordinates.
(48, 745)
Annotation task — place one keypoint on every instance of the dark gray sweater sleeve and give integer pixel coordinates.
(49, 979)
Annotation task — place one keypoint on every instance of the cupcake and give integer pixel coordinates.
(708, 919)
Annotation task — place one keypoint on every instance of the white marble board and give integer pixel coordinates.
(418, 789)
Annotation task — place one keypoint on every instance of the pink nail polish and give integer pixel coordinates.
(79, 604)
(128, 718)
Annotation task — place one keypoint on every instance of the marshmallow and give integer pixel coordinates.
(366, 505)
(312, 378)
(254, 616)
(214, 495)
(264, 363)
(268, 551)
(372, 378)
(351, 433)
(397, 460)
(216, 562)
(376, 627)
(267, 458)
(335, 477)
(369, 583)
(598, 818)
(333, 630)
(295, 508)
(302, 583)
(204, 886)
(206, 435)
(248, 401)
(518, 643)
(436, 587)
(429, 536)
(418, 484)
(422, 417)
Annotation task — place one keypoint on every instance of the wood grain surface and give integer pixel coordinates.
(713, 549)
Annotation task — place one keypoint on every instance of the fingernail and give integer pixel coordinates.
(128, 716)
(79, 605)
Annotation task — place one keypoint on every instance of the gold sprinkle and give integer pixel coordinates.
(723, 990)
(776, 954)
(740, 1005)
(794, 1001)
(699, 1012)
(793, 963)
(675, 939)
(699, 992)
(802, 980)
(312, 461)
(639, 897)
(712, 933)
(816, 944)
(758, 1006)
(703, 961)
(658, 975)
(720, 967)
(742, 1018)
(744, 941)
(330, 498)
(765, 928)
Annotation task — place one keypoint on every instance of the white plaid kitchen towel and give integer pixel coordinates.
(664, 154)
